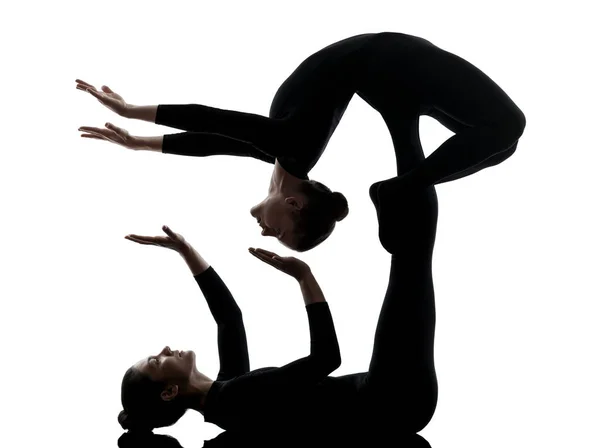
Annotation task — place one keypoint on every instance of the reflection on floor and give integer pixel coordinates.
(289, 436)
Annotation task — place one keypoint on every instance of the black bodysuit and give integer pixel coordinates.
(241, 398)
(399, 75)
(402, 77)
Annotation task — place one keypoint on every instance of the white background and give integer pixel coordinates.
(516, 254)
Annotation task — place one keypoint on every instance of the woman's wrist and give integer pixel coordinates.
(145, 113)
(195, 262)
(149, 143)
(311, 291)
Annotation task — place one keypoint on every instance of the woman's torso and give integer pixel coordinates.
(315, 96)
(245, 401)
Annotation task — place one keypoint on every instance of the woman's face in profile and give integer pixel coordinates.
(274, 216)
(168, 365)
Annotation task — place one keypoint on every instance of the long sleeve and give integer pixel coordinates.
(323, 359)
(202, 144)
(233, 347)
(324, 355)
(270, 393)
(265, 137)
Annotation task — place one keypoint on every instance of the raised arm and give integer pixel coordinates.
(324, 355)
(231, 334)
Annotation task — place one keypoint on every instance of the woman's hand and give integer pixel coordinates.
(172, 241)
(107, 97)
(114, 134)
(290, 265)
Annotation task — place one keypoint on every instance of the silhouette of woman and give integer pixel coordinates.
(398, 391)
(401, 76)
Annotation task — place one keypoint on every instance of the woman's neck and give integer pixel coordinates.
(197, 392)
(283, 181)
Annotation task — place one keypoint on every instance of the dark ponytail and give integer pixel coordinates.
(316, 220)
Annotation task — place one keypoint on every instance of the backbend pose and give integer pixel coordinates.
(399, 75)
(399, 390)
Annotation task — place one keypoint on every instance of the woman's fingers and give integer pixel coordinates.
(92, 136)
(107, 89)
(149, 239)
(92, 130)
(138, 240)
(169, 232)
(99, 136)
(95, 93)
(259, 255)
(114, 128)
(110, 130)
(266, 252)
(140, 237)
(265, 259)
(277, 263)
(79, 81)
(85, 88)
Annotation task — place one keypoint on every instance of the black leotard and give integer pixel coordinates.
(399, 75)
(242, 398)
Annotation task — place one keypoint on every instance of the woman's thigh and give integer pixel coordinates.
(460, 93)
(407, 69)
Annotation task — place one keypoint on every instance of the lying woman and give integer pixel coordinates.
(399, 390)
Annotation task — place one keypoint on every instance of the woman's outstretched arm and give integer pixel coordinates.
(213, 131)
(231, 336)
(247, 127)
(210, 131)
(202, 144)
(199, 144)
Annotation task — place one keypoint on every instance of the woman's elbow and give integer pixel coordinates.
(331, 360)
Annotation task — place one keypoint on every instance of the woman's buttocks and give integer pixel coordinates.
(321, 78)
(391, 73)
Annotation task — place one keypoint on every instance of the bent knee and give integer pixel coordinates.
(514, 123)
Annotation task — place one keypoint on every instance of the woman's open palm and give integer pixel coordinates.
(113, 134)
(290, 265)
(106, 96)
(172, 241)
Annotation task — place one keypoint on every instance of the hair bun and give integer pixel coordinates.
(124, 419)
(131, 424)
(340, 205)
